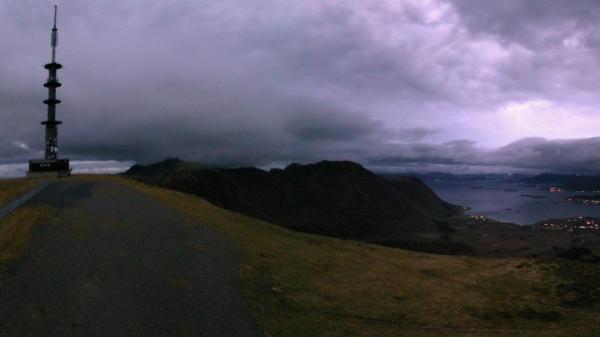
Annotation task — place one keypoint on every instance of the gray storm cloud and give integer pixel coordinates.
(391, 84)
(528, 155)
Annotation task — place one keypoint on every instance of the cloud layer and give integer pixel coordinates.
(393, 84)
(528, 155)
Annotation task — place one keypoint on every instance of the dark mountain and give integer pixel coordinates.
(508, 178)
(516, 178)
(573, 182)
(429, 175)
(583, 183)
(549, 178)
(340, 199)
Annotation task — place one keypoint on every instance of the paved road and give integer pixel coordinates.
(118, 263)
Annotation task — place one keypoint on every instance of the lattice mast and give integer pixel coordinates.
(52, 84)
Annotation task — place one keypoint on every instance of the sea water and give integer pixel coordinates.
(511, 202)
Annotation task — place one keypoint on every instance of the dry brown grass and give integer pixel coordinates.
(17, 227)
(16, 231)
(10, 189)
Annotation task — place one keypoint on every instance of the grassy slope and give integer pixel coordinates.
(306, 285)
(12, 188)
(16, 230)
(17, 227)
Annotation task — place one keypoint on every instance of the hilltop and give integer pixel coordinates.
(333, 198)
(343, 199)
(295, 284)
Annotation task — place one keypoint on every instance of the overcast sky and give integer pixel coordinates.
(457, 85)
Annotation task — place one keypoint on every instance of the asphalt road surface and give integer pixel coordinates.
(114, 262)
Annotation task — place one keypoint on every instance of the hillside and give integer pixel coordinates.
(340, 199)
(306, 285)
(296, 284)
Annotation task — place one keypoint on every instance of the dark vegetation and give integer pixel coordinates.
(578, 282)
(436, 246)
(577, 253)
(340, 199)
(528, 314)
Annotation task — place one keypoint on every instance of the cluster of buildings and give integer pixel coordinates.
(583, 201)
(572, 224)
(482, 218)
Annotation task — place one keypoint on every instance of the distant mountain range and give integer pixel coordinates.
(572, 182)
(549, 178)
(467, 177)
(583, 183)
(334, 198)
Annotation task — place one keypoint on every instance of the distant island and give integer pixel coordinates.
(585, 199)
(570, 182)
(509, 178)
(533, 196)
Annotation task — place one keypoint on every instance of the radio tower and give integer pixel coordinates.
(52, 83)
(51, 165)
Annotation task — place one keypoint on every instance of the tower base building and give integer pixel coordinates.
(49, 168)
